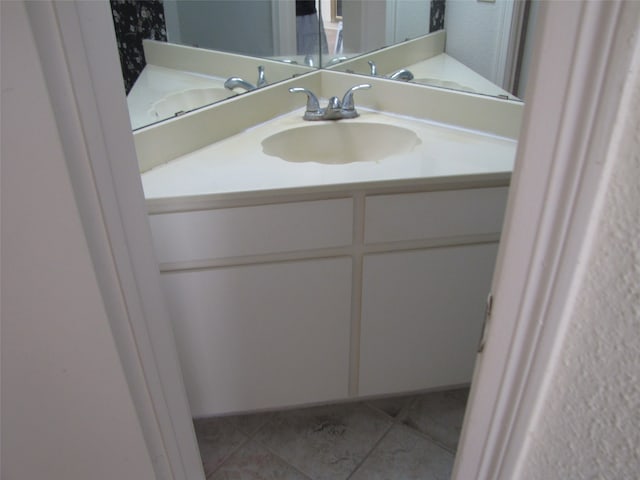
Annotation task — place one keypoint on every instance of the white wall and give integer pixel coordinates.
(407, 19)
(231, 26)
(67, 412)
(364, 25)
(588, 423)
(476, 35)
(369, 25)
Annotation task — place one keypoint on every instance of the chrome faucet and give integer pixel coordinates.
(262, 80)
(402, 74)
(308, 61)
(336, 60)
(335, 110)
(236, 82)
(374, 69)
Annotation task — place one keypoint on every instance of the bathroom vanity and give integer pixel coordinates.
(277, 304)
(295, 282)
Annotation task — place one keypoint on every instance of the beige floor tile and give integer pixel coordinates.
(404, 454)
(439, 415)
(326, 443)
(249, 424)
(217, 439)
(254, 462)
(395, 407)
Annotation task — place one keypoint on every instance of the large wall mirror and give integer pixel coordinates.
(284, 38)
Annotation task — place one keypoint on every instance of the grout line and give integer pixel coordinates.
(375, 445)
(233, 452)
(269, 417)
(414, 427)
(272, 452)
(275, 454)
(428, 437)
(401, 419)
(395, 419)
(252, 438)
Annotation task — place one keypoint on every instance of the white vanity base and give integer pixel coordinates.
(292, 300)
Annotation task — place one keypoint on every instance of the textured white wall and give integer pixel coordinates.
(67, 413)
(589, 423)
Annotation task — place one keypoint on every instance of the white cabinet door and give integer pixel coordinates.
(262, 336)
(422, 313)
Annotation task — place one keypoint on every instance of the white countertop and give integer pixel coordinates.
(237, 163)
(445, 71)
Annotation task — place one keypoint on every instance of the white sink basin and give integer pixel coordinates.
(340, 142)
(185, 101)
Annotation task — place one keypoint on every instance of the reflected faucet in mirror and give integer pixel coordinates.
(236, 82)
(401, 74)
(266, 29)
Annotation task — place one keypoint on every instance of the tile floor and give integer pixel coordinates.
(401, 438)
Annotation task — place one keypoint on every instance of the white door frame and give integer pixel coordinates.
(567, 125)
(283, 18)
(508, 22)
(75, 41)
(582, 52)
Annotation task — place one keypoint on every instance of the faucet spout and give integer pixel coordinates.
(402, 74)
(336, 60)
(237, 82)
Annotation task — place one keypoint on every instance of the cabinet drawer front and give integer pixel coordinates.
(416, 216)
(263, 229)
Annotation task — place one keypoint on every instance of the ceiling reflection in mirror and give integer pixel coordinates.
(178, 55)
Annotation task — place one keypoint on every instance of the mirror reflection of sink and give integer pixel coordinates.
(444, 83)
(340, 142)
(187, 100)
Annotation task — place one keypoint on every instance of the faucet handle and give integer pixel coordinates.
(334, 104)
(262, 81)
(347, 101)
(374, 69)
(313, 106)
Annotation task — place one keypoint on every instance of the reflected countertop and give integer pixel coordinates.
(155, 83)
(445, 71)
